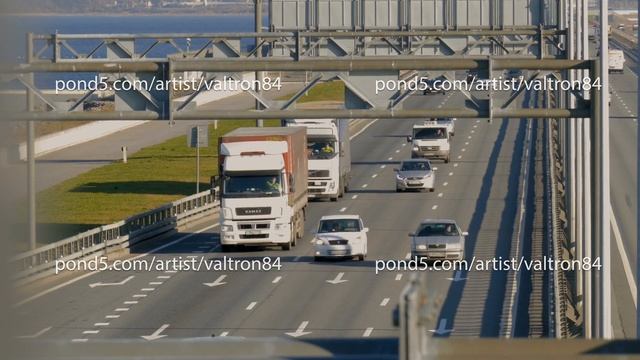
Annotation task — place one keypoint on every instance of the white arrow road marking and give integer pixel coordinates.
(442, 328)
(112, 284)
(384, 302)
(33, 336)
(217, 282)
(457, 277)
(367, 332)
(156, 334)
(300, 330)
(338, 279)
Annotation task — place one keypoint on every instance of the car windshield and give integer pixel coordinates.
(252, 186)
(320, 148)
(438, 229)
(430, 133)
(339, 225)
(415, 166)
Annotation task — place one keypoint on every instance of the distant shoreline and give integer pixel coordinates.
(129, 14)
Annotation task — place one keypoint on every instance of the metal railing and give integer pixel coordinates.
(102, 240)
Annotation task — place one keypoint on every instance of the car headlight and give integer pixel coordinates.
(226, 212)
(415, 148)
(319, 242)
(421, 247)
(400, 177)
(226, 228)
(332, 185)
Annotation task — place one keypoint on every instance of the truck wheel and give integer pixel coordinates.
(361, 257)
(446, 160)
(432, 190)
(286, 247)
(334, 198)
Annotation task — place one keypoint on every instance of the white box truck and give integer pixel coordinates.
(616, 61)
(329, 154)
(263, 195)
(430, 140)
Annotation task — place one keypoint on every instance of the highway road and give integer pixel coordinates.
(623, 140)
(305, 299)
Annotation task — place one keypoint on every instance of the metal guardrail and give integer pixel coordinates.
(102, 240)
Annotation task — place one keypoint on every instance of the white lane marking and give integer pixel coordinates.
(354, 197)
(404, 144)
(139, 295)
(156, 334)
(300, 330)
(112, 316)
(397, 151)
(79, 340)
(367, 332)
(459, 156)
(147, 289)
(408, 256)
(440, 195)
(130, 302)
(365, 185)
(60, 286)
(475, 126)
(384, 302)
(163, 277)
(469, 137)
(171, 271)
(450, 174)
(363, 129)
(445, 183)
(193, 256)
(337, 280)
(383, 166)
(101, 324)
(91, 331)
(38, 334)
(472, 131)
(342, 209)
(466, 143)
(277, 279)
(224, 333)
(398, 277)
(155, 283)
(390, 158)
(625, 260)
(252, 305)
(121, 309)
(374, 176)
(463, 149)
(455, 165)
(434, 207)
(477, 121)
(93, 285)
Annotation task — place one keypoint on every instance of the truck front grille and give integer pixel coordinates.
(318, 173)
(253, 211)
(254, 236)
(253, 226)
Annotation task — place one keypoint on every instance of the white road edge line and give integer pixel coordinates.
(363, 129)
(625, 260)
(60, 286)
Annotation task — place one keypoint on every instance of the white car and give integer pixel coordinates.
(415, 174)
(340, 236)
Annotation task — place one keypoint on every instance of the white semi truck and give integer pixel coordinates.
(263, 186)
(616, 61)
(329, 154)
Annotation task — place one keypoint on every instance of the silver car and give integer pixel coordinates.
(415, 174)
(438, 239)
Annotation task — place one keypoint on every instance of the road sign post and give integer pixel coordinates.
(197, 137)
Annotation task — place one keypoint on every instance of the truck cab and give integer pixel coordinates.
(431, 140)
(263, 187)
(329, 155)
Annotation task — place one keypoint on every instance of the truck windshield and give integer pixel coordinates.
(438, 230)
(430, 133)
(252, 185)
(321, 148)
(339, 225)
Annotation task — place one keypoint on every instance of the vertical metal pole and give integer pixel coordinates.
(198, 165)
(31, 154)
(258, 75)
(637, 50)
